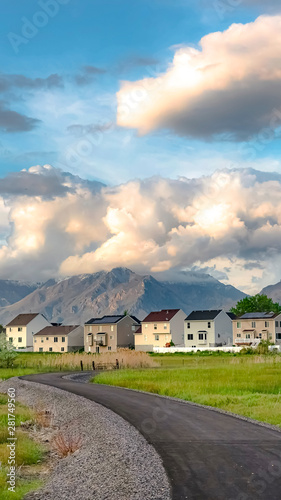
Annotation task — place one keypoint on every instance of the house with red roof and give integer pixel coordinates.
(160, 328)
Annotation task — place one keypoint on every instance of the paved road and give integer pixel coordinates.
(207, 455)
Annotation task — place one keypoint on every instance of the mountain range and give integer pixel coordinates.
(273, 291)
(78, 298)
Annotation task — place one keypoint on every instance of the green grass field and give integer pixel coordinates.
(28, 453)
(246, 385)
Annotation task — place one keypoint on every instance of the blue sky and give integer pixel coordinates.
(125, 40)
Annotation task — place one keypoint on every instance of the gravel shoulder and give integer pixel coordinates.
(114, 461)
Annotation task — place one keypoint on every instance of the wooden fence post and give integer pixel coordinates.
(93, 363)
(81, 364)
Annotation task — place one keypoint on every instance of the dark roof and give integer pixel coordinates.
(52, 331)
(259, 315)
(22, 319)
(203, 315)
(139, 330)
(164, 315)
(231, 315)
(105, 320)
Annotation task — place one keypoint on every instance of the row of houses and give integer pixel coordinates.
(200, 329)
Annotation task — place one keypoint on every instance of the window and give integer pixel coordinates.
(253, 324)
(50, 349)
(145, 338)
(219, 335)
(145, 326)
(63, 339)
(190, 336)
(155, 327)
(238, 324)
(133, 328)
(10, 329)
(42, 340)
(238, 334)
(19, 329)
(165, 326)
(266, 324)
(11, 340)
(248, 335)
(260, 335)
(111, 328)
(62, 349)
(156, 337)
(280, 324)
(35, 340)
(19, 339)
(47, 338)
(40, 349)
(188, 325)
(209, 324)
(276, 323)
(111, 337)
(109, 348)
(278, 336)
(56, 339)
(200, 336)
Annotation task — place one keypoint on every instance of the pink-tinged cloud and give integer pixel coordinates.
(229, 221)
(230, 85)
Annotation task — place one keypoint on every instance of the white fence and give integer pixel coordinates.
(225, 348)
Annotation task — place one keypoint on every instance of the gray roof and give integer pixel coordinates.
(258, 315)
(203, 315)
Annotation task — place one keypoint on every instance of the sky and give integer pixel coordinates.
(141, 133)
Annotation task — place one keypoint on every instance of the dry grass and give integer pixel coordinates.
(66, 444)
(253, 359)
(71, 361)
(43, 417)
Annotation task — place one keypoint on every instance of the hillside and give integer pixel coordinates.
(78, 298)
(13, 291)
(273, 291)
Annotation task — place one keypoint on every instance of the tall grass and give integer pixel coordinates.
(246, 385)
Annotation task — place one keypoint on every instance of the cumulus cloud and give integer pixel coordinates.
(46, 182)
(227, 224)
(229, 87)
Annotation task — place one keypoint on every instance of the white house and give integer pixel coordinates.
(208, 329)
(160, 328)
(21, 329)
(59, 338)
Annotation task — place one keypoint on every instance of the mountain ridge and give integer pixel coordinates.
(78, 298)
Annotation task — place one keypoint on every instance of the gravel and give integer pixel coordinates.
(114, 461)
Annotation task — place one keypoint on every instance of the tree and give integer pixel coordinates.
(256, 303)
(7, 353)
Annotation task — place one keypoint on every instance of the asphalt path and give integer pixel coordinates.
(206, 454)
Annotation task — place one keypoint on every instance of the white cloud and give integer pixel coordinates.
(230, 86)
(229, 221)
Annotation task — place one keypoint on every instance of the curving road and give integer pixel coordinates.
(207, 454)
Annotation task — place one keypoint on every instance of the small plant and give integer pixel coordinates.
(66, 444)
(7, 353)
(43, 417)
